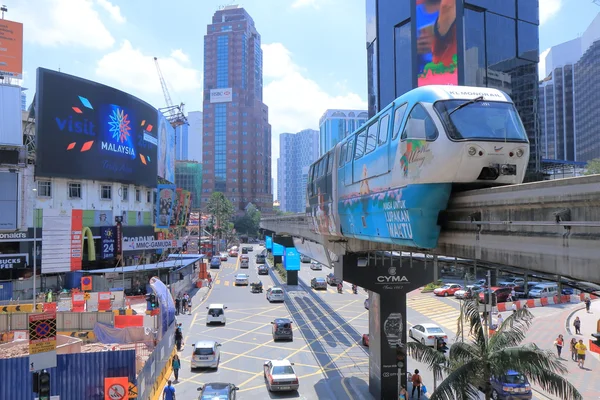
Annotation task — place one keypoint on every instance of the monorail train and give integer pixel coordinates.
(388, 180)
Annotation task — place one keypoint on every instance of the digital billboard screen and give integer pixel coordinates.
(291, 259)
(436, 42)
(91, 131)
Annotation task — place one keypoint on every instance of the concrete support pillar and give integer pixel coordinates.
(292, 277)
(278, 259)
(436, 271)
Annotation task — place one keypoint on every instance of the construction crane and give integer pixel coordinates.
(173, 113)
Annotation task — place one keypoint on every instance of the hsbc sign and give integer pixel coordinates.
(224, 95)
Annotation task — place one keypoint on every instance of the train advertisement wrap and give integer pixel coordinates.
(436, 42)
(107, 134)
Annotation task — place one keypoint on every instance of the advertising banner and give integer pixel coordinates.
(108, 134)
(437, 56)
(150, 244)
(166, 149)
(10, 196)
(291, 259)
(76, 239)
(164, 205)
(13, 261)
(224, 95)
(268, 242)
(165, 304)
(119, 239)
(186, 207)
(11, 48)
(11, 129)
(278, 249)
(177, 206)
(62, 240)
(108, 238)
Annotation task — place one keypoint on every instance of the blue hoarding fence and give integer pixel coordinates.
(278, 249)
(76, 376)
(6, 290)
(291, 259)
(269, 242)
(157, 366)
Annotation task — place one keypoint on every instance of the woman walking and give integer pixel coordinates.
(573, 349)
(176, 364)
(416, 384)
(559, 343)
(577, 325)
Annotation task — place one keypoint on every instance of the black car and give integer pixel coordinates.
(282, 329)
(318, 283)
(263, 270)
(217, 390)
(261, 258)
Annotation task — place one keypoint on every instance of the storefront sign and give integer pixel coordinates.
(13, 261)
(13, 236)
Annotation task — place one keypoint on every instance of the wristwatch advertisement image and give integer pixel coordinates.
(392, 327)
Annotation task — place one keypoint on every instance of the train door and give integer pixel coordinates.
(349, 163)
(340, 167)
(399, 113)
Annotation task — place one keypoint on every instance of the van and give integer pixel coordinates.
(205, 354)
(544, 290)
(216, 314)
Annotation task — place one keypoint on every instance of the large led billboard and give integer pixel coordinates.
(86, 130)
(437, 56)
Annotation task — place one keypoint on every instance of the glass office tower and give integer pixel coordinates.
(487, 43)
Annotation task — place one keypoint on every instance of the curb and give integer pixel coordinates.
(568, 321)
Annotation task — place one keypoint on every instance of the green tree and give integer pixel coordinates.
(592, 167)
(221, 211)
(249, 222)
(472, 363)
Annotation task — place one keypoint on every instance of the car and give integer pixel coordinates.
(216, 314)
(427, 334)
(365, 339)
(224, 256)
(514, 281)
(332, 280)
(318, 283)
(502, 294)
(263, 270)
(468, 292)
(316, 266)
(217, 390)
(282, 329)
(215, 262)
(261, 258)
(275, 294)
(250, 248)
(520, 289)
(280, 375)
(512, 386)
(304, 259)
(205, 354)
(447, 290)
(244, 257)
(233, 253)
(244, 263)
(241, 279)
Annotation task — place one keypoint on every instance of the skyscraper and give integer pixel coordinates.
(181, 142)
(195, 136)
(237, 136)
(335, 125)
(296, 151)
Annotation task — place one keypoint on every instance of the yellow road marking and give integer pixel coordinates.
(226, 283)
(218, 282)
(207, 295)
(263, 359)
(239, 320)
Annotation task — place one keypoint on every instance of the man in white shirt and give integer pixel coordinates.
(514, 308)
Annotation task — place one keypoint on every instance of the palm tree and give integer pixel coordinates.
(472, 363)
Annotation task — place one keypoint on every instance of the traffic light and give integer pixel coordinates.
(400, 357)
(151, 300)
(43, 385)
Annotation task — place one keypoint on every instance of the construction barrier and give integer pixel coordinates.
(84, 335)
(545, 301)
(123, 311)
(124, 321)
(21, 308)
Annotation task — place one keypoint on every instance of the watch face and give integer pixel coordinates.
(393, 329)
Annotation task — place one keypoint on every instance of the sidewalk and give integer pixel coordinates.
(589, 323)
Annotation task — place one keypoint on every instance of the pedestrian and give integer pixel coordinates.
(177, 305)
(189, 310)
(513, 294)
(580, 353)
(176, 364)
(500, 320)
(588, 304)
(577, 325)
(514, 308)
(178, 337)
(169, 392)
(183, 303)
(416, 384)
(403, 395)
(573, 349)
(559, 343)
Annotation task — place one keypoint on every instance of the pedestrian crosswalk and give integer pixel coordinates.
(437, 311)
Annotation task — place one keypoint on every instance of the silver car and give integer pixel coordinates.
(241, 279)
(280, 375)
(205, 354)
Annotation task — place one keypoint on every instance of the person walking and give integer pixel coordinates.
(189, 306)
(403, 395)
(588, 304)
(176, 364)
(169, 391)
(581, 349)
(573, 349)
(577, 325)
(559, 343)
(500, 320)
(184, 303)
(416, 384)
(178, 337)
(177, 305)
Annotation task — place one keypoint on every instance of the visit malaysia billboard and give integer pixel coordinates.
(437, 56)
(85, 130)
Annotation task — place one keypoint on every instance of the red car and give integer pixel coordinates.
(365, 339)
(447, 290)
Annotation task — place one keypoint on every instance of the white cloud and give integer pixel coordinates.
(114, 11)
(129, 69)
(179, 55)
(549, 8)
(542, 64)
(63, 23)
(305, 3)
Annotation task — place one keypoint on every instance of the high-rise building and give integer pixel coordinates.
(181, 142)
(296, 152)
(195, 136)
(335, 125)
(23, 99)
(236, 142)
(489, 43)
(188, 176)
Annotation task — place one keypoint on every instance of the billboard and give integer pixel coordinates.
(224, 95)
(11, 130)
(62, 240)
(166, 149)
(437, 55)
(164, 205)
(108, 237)
(291, 259)
(9, 201)
(87, 130)
(11, 48)
(278, 249)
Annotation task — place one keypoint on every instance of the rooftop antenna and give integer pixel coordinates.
(3, 9)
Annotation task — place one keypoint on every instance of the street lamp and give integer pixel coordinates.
(34, 246)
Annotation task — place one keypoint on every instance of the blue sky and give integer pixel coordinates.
(314, 50)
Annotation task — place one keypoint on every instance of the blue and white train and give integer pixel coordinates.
(388, 180)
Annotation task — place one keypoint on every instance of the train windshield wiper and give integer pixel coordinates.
(466, 103)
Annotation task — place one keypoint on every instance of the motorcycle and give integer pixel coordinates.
(340, 288)
(354, 289)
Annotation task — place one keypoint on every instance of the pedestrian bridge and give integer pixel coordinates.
(551, 227)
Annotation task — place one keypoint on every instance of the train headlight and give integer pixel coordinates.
(520, 152)
(472, 151)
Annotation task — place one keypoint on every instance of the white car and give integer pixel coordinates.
(464, 293)
(280, 375)
(206, 354)
(427, 334)
(316, 266)
(241, 279)
(275, 294)
(215, 314)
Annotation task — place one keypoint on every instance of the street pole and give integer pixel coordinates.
(489, 279)
(34, 240)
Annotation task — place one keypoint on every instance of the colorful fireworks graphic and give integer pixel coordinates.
(119, 125)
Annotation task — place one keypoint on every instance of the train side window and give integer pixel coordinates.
(398, 117)
(322, 167)
(330, 163)
(342, 158)
(310, 179)
(350, 151)
(371, 138)
(383, 129)
(361, 140)
(419, 125)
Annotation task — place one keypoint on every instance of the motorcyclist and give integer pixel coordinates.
(340, 287)
(354, 289)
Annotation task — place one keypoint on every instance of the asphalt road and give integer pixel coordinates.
(326, 351)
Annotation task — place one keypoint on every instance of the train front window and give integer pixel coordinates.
(482, 120)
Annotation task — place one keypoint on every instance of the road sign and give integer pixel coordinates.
(133, 391)
(116, 388)
(42, 341)
(87, 296)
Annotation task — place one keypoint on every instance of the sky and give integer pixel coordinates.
(314, 53)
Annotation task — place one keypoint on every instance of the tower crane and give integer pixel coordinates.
(174, 113)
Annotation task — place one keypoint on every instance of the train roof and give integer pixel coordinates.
(433, 93)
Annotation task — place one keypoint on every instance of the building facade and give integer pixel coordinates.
(335, 125)
(194, 151)
(188, 176)
(236, 144)
(182, 142)
(296, 152)
(495, 44)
